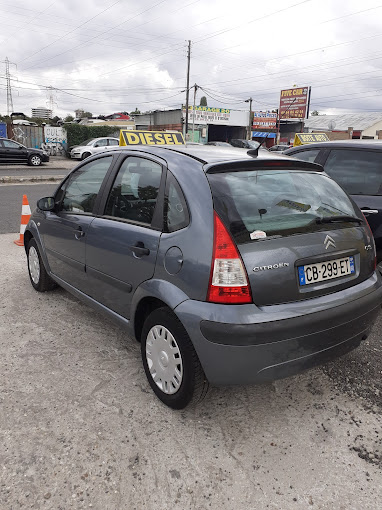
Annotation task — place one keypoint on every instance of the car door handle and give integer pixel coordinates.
(369, 211)
(139, 249)
(78, 233)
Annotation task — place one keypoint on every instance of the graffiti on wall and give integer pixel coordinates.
(55, 140)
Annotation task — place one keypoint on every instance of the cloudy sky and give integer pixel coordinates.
(106, 56)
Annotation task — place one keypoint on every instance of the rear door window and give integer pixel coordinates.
(277, 202)
(358, 171)
(176, 214)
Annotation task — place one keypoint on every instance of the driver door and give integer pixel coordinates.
(14, 152)
(65, 229)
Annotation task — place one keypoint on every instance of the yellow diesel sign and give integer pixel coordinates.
(128, 137)
(303, 138)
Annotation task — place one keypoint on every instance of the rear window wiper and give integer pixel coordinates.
(335, 219)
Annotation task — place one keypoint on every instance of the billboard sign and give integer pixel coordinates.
(207, 115)
(294, 103)
(264, 120)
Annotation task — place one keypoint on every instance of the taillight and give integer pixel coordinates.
(228, 280)
(371, 241)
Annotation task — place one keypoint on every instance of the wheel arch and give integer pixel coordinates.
(150, 295)
(32, 232)
(143, 310)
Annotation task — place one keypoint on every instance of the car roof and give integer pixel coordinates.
(211, 155)
(359, 144)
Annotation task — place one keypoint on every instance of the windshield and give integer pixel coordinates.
(266, 203)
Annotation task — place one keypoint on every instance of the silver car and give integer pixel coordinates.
(227, 266)
(92, 146)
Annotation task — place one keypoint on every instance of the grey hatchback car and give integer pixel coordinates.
(229, 267)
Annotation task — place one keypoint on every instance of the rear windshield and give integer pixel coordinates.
(268, 203)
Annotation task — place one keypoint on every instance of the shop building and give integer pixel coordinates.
(208, 124)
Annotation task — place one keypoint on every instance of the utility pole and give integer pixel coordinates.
(188, 84)
(250, 118)
(193, 113)
(9, 89)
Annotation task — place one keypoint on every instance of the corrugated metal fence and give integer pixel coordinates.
(30, 136)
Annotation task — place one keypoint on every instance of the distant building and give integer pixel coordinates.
(42, 113)
(79, 113)
(118, 116)
(366, 125)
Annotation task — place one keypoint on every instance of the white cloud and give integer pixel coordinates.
(133, 54)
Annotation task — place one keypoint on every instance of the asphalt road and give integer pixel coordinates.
(80, 427)
(32, 171)
(11, 197)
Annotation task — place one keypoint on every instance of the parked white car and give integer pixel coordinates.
(91, 146)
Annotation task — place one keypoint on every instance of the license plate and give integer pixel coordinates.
(322, 271)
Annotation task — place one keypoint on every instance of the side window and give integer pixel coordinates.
(101, 143)
(359, 172)
(83, 187)
(113, 142)
(133, 196)
(10, 145)
(308, 155)
(175, 210)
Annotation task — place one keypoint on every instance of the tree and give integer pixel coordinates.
(87, 115)
(315, 113)
(69, 118)
(203, 101)
(135, 112)
(55, 120)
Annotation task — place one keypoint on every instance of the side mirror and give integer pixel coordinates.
(46, 204)
(21, 147)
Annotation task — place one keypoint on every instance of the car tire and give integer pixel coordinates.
(34, 160)
(170, 361)
(40, 279)
(85, 155)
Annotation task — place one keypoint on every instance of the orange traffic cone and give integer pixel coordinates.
(25, 215)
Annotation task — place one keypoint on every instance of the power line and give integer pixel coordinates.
(106, 31)
(70, 32)
(216, 34)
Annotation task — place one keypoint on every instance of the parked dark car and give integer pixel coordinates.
(357, 167)
(245, 144)
(14, 152)
(219, 144)
(228, 267)
(279, 148)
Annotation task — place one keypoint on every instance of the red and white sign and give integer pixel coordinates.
(294, 103)
(264, 120)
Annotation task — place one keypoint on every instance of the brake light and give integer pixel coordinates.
(372, 241)
(228, 279)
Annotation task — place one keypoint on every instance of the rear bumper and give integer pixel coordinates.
(266, 345)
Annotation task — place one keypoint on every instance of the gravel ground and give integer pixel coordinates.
(80, 427)
(359, 373)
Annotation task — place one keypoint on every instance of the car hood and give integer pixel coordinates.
(40, 151)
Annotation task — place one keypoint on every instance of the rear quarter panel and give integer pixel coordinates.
(195, 241)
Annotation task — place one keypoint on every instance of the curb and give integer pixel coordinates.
(10, 179)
